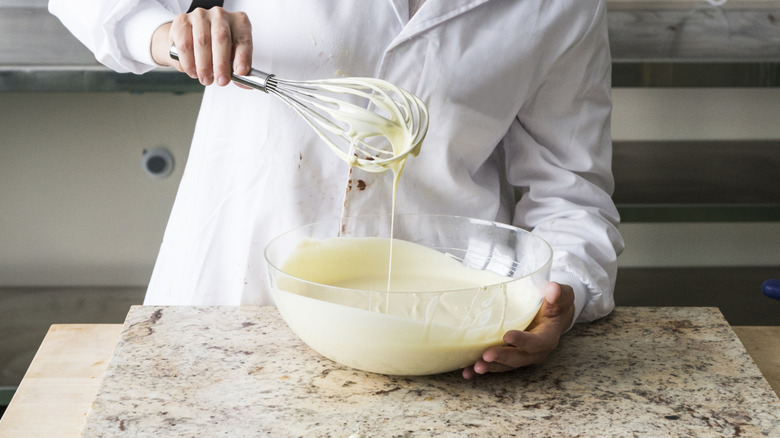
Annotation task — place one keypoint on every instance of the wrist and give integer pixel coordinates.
(160, 46)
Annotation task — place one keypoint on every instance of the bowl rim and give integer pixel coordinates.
(548, 261)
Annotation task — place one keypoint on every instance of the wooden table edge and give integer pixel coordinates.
(58, 389)
(763, 345)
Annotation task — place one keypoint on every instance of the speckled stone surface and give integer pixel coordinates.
(239, 371)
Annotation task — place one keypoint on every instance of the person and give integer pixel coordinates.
(519, 102)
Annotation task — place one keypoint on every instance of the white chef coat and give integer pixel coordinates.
(519, 101)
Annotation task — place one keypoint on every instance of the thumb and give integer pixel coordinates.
(553, 299)
(558, 304)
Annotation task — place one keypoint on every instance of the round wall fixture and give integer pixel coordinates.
(157, 162)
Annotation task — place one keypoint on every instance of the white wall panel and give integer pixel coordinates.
(77, 208)
(696, 113)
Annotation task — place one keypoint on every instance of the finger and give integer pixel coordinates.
(181, 35)
(552, 294)
(469, 373)
(502, 359)
(512, 357)
(242, 43)
(221, 45)
(557, 310)
(558, 306)
(543, 337)
(482, 367)
(201, 39)
(559, 298)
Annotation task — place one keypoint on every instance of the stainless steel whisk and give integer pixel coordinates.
(375, 137)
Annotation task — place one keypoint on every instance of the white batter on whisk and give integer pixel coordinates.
(392, 114)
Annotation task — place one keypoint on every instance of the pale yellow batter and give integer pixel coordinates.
(415, 328)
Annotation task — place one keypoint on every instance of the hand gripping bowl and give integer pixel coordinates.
(457, 286)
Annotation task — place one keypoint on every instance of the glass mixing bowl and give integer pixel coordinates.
(458, 284)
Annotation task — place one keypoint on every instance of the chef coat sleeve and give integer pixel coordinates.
(559, 155)
(119, 33)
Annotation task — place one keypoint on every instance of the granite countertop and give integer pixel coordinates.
(239, 371)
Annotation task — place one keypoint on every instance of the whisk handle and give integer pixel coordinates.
(255, 79)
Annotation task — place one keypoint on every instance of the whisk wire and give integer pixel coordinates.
(314, 102)
(345, 126)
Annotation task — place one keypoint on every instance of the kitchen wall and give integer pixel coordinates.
(733, 114)
(78, 210)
